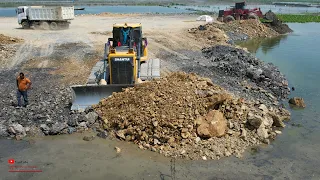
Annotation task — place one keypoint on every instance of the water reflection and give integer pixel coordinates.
(266, 44)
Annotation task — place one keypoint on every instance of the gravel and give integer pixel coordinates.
(48, 109)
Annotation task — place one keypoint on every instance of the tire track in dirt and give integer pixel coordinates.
(21, 55)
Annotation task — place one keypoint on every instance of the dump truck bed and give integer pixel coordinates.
(51, 13)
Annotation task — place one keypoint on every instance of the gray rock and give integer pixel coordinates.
(277, 121)
(83, 124)
(103, 135)
(262, 132)
(57, 128)
(3, 130)
(88, 110)
(72, 122)
(91, 117)
(44, 128)
(156, 141)
(243, 133)
(35, 131)
(88, 138)
(71, 130)
(17, 129)
(255, 121)
(263, 107)
(198, 139)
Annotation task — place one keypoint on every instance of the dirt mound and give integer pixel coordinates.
(237, 63)
(210, 33)
(9, 40)
(276, 23)
(184, 115)
(236, 31)
(7, 48)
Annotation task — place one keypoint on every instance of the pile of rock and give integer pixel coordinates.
(237, 63)
(234, 31)
(48, 112)
(209, 33)
(276, 24)
(184, 115)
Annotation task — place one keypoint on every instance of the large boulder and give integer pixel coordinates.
(215, 125)
(298, 102)
(91, 117)
(57, 128)
(255, 120)
(17, 129)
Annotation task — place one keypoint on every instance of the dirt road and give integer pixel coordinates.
(164, 33)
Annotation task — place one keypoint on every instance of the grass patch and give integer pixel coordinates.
(295, 18)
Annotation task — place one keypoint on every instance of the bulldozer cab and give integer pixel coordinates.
(127, 36)
(240, 5)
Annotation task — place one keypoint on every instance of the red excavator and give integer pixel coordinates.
(239, 12)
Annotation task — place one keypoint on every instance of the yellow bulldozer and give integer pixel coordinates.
(125, 64)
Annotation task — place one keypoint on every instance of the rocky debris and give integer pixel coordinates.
(3, 130)
(187, 116)
(235, 31)
(298, 102)
(118, 150)
(48, 109)
(17, 129)
(9, 40)
(34, 131)
(8, 47)
(102, 135)
(276, 24)
(88, 138)
(209, 33)
(230, 61)
(91, 118)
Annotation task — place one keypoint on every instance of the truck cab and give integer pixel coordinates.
(21, 13)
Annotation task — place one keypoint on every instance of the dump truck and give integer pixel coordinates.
(45, 17)
(125, 64)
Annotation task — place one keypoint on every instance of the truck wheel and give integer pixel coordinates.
(53, 26)
(229, 19)
(45, 25)
(25, 25)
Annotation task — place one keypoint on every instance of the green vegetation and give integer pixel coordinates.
(295, 18)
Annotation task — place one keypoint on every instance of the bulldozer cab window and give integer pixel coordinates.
(116, 37)
(241, 5)
(125, 36)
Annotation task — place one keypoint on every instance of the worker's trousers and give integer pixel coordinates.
(24, 94)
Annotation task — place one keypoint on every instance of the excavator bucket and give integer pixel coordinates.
(87, 95)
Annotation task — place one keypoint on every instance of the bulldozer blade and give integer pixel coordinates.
(88, 95)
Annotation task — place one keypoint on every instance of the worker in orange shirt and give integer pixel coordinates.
(23, 85)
